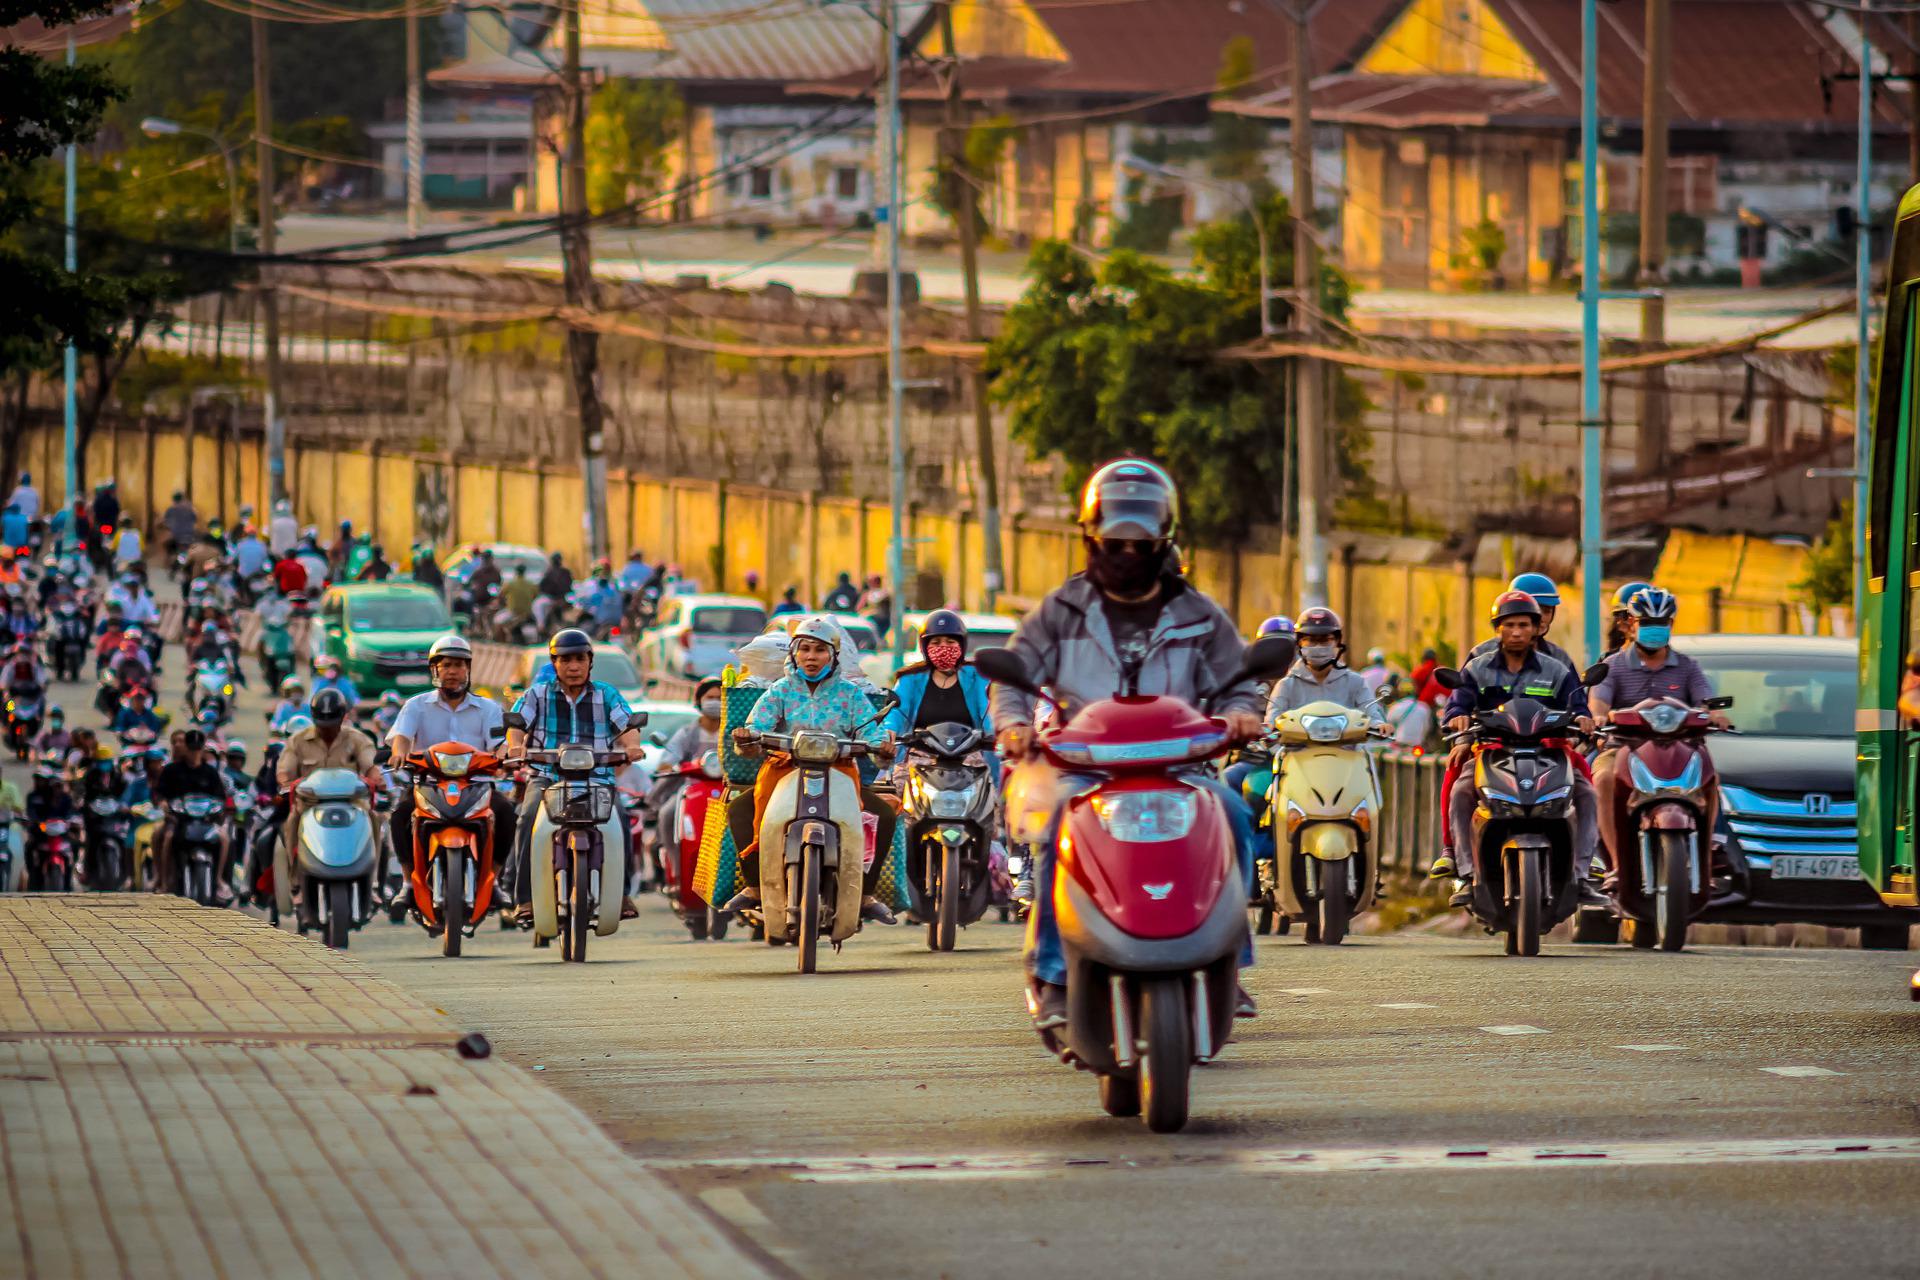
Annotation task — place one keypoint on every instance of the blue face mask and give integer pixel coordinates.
(814, 679)
(1651, 636)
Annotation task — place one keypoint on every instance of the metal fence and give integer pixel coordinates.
(1410, 811)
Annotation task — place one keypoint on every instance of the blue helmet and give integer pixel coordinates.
(1653, 604)
(1278, 625)
(1626, 592)
(1539, 586)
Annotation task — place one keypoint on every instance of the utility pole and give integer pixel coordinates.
(1306, 291)
(69, 355)
(1592, 464)
(269, 302)
(416, 145)
(963, 187)
(1650, 444)
(1913, 96)
(896, 371)
(1863, 309)
(583, 344)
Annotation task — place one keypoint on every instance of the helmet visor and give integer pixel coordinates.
(1132, 509)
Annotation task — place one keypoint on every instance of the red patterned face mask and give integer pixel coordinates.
(944, 654)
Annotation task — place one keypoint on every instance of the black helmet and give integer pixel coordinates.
(329, 707)
(1131, 498)
(943, 622)
(572, 640)
(1317, 622)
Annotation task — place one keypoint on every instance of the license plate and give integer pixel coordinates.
(1802, 866)
(413, 679)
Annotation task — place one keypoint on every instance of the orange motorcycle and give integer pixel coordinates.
(452, 874)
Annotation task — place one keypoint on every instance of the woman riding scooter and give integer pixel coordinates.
(945, 688)
(814, 694)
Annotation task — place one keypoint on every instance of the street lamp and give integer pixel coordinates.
(161, 127)
(1240, 194)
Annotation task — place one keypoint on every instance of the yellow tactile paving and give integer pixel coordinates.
(187, 1092)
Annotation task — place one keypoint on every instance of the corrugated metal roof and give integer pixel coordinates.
(1415, 101)
(768, 40)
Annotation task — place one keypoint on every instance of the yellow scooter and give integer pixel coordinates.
(1325, 798)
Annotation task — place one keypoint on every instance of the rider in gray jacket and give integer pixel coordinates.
(1319, 675)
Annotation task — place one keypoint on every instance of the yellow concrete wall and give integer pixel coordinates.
(744, 535)
(476, 509)
(787, 549)
(1068, 153)
(395, 516)
(1360, 230)
(519, 507)
(562, 508)
(839, 537)
(353, 489)
(696, 517)
(651, 519)
(619, 519)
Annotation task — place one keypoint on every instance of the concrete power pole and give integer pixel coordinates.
(269, 302)
(956, 141)
(1306, 286)
(416, 144)
(583, 345)
(1650, 443)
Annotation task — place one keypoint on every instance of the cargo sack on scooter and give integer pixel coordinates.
(736, 704)
(716, 872)
(891, 888)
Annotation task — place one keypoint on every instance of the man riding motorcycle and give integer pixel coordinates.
(814, 694)
(1517, 668)
(1648, 667)
(1128, 619)
(328, 743)
(572, 708)
(53, 739)
(293, 702)
(189, 773)
(449, 712)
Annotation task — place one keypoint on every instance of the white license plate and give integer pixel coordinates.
(413, 678)
(1804, 866)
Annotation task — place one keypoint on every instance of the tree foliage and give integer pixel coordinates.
(982, 151)
(1829, 579)
(631, 124)
(1122, 357)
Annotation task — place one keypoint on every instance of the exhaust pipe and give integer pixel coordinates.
(1202, 1020)
(1124, 1054)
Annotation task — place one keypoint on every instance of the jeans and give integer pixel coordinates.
(1046, 957)
(1464, 798)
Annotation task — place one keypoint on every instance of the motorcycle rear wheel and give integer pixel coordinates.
(339, 913)
(454, 913)
(716, 924)
(1166, 1070)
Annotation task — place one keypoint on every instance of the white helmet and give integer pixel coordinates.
(450, 646)
(825, 630)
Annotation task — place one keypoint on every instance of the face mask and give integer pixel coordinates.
(1320, 655)
(1125, 573)
(944, 657)
(814, 679)
(1653, 637)
(710, 708)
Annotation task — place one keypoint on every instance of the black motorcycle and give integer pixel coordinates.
(948, 805)
(108, 827)
(1527, 880)
(67, 643)
(197, 825)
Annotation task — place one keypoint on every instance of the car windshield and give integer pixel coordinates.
(1787, 695)
(664, 722)
(612, 666)
(728, 620)
(398, 613)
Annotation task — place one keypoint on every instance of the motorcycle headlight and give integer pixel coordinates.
(1645, 781)
(954, 804)
(575, 759)
(1145, 817)
(452, 764)
(1664, 718)
(813, 747)
(1324, 728)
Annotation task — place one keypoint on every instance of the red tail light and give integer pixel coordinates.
(614, 634)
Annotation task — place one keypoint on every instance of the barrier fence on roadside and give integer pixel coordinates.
(1408, 830)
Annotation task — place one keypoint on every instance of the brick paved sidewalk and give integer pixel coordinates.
(187, 1092)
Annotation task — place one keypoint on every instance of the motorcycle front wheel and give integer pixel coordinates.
(809, 939)
(1673, 896)
(339, 913)
(579, 920)
(1166, 1071)
(454, 913)
(944, 927)
(1333, 906)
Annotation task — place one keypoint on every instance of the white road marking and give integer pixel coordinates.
(1801, 1072)
(1407, 1004)
(734, 1205)
(1652, 1048)
(1306, 991)
(1517, 1029)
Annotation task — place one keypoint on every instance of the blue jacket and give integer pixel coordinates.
(911, 685)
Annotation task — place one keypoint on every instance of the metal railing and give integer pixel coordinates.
(1408, 833)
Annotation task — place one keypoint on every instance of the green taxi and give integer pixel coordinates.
(380, 632)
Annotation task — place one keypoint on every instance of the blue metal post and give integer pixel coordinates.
(1863, 298)
(70, 358)
(1592, 464)
(896, 407)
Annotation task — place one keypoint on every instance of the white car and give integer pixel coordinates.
(696, 634)
(984, 631)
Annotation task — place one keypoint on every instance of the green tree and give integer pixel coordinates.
(1237, 143)
(981, 154)
(1099, 360)
(1829, 579)
(630, 126)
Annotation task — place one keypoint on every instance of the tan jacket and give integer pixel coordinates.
(305, 752)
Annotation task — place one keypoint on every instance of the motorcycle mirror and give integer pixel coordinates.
(382, 753)
(1004, 666)
(1720, 703)
(1448, 678)
(1596, 673)
(1266, 659)
(514, 720)
(498, 733)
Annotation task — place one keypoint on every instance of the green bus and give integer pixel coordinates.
(1889, 751)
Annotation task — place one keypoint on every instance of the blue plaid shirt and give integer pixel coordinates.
(594, 720)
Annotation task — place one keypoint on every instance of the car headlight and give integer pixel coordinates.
(1145, 817)
(811, 746)
(1324, 728)
(1645, 781)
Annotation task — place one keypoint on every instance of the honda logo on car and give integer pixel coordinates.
(1818, 804)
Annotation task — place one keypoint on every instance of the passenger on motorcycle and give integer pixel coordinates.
(448, 712)
(1319, 675)
(814, 694)
(191, 772)
(693, 740)
(1128, 620)
(54, 738)
(328, 743)
(136, 712)
(26, 674)
(388, 711)
(1647, 667)
(1620, 627)
(1518, 669)
(571, 709)
(601, 600)
(234, 765)
(327, 675)
(293, 702)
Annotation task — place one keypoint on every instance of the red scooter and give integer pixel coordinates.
(1146, 889)
(1659, 828)
(677, 831)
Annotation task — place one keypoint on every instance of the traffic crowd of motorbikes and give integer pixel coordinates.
(1143, 786)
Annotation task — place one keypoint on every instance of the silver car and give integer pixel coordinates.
(696, 635)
